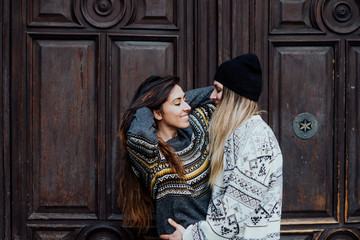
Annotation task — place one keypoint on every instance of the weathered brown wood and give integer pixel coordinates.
(241, 29)
(63, 128)
(52, 14)
(80, 65)
(74, 66)
(293, 17)
(352, 197)
(5, 214)
(294, 90)
(205, 39)
(312, 68)
(2, 178)
(18, 121)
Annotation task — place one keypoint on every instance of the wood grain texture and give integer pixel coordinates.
(63, 128)
(70, 68)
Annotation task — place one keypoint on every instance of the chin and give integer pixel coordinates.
(186, 125)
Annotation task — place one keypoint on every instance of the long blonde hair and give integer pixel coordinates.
(232, 111)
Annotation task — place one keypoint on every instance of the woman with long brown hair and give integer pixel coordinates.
(166, 169)
(246, 162)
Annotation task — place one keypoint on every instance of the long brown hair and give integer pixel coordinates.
(134, 199)
(236, 110)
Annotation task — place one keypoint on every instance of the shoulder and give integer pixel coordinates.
(254, 139)
(253, 126)
(257, 148)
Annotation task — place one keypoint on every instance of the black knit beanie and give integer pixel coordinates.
(242, 75)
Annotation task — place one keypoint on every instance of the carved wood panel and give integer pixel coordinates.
(63, 130)
(352, 196)
(340, 16)
(293, 17)
(296, 86)
(156, 14)
(300, 235)
(134, 60)
(60, 235)
(52, 13)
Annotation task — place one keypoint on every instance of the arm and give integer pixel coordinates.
(143, 121)
(204, 114)
(143, 124)
(142, 145)
(199, 97)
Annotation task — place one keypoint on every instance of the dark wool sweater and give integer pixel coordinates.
(183, 199)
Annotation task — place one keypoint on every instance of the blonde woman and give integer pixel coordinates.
(246, 161)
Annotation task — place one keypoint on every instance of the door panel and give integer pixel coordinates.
(61, 235)
(293, 17)
(352, 197)
(160, 14)
(52, 14)
(294, 91)
(134, 60)
(62, 138)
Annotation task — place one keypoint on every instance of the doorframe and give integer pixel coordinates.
(5, 46)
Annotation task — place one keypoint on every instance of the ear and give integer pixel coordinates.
(157, 115)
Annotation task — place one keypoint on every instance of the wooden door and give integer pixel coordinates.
(313, 78)
(70, 68)
(309, 51)
(75, 65)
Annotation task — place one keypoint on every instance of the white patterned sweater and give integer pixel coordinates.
(246, 200)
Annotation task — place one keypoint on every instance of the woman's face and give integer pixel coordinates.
(174, 112)
(217, 93)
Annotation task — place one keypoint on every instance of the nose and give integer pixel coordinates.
(187, 107)
(213, 95)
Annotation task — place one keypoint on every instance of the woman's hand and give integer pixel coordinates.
(177, 235)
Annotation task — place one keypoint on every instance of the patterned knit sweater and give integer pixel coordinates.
(184, 200)
(246, 200)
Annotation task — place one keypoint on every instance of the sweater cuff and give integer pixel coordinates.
(187, 235)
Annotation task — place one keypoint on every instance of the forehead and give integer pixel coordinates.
(218, 84)
(176, 92)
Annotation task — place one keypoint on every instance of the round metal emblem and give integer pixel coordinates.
(305, 125)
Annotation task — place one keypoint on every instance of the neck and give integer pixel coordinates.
(166, 133)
